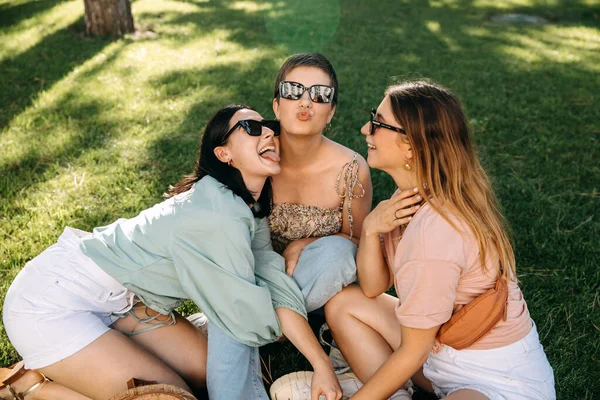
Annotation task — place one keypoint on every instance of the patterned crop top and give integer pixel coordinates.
(292, 221)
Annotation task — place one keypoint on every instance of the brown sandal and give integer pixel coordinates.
(10, 375)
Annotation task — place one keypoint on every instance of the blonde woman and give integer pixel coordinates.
(454, 249)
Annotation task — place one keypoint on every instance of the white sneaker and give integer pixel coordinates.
(339, 363)
(351, 384)
(296, 386)
(200, 321)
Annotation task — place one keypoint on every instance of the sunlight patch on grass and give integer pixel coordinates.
(477, 31)
(249, 6)
(436, 29)
(31, 31)
(508, 4)
(443, 4)
(433, 26)
(583, 38)
(554, 44)
(523, 55)
(165, 6)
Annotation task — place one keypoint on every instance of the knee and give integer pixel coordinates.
(338, 246)
(340, 305)
(328, 256)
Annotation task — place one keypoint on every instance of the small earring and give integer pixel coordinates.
(328, 127)
(425, 186)
(407, 167)
(229, 162)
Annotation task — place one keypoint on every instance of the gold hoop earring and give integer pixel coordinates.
(407, 167)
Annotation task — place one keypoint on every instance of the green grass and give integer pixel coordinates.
(92, 129)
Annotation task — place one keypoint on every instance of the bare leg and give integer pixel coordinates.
(182, 346)
(49, 390)
(102, 369)
(366, 331)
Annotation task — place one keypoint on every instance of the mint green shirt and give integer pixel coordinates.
(204, 245)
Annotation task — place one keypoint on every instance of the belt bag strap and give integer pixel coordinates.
(476, 319)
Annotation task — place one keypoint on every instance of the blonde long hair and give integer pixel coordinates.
(445, 160)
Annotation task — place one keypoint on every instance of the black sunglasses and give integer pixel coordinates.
(254, 127)
(317, 93)
(376, 124)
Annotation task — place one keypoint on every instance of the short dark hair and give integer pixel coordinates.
(216, 133)
(316, 60)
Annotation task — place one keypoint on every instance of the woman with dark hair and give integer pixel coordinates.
(96, 309)
(460, 314)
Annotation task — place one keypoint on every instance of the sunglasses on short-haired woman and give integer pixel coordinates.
(317, 93)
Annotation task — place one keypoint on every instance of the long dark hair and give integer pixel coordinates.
(215, 135)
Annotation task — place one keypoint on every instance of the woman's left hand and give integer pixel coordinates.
(325, 383)
(292, 253)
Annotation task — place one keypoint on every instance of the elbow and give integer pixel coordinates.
(370, 293)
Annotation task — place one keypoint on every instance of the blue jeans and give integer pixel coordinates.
(233, 369)
(324, 268)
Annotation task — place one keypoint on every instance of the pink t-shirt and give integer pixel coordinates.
(437, 271)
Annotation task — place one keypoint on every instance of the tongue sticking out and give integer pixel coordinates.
(271, 155)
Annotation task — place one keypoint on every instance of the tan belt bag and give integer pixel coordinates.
(476, 319)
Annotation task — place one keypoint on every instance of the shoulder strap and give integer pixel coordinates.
(349, 176)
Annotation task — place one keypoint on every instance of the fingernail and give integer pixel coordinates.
(417, 207)
(415, 190)
(418, 197)
(409, 218)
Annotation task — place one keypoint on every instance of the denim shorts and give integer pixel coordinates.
(60, 302)
(517, 371)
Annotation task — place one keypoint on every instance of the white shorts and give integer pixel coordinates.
(517, 371)
(60, 302)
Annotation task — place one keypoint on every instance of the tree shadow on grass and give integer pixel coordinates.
(13, 14)
(40, 67)
(91, 128)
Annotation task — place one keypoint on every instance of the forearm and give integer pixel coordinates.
(373, 272)
(392, 374)
(297, 330)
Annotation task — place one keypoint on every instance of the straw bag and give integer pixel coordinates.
(476, 319)
(152, 391)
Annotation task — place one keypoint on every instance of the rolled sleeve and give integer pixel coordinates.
(270, 269)
(216, 268)
(427, 290)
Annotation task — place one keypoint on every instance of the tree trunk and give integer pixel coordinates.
(108, 17)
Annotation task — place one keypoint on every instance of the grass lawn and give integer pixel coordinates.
(92, 129)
